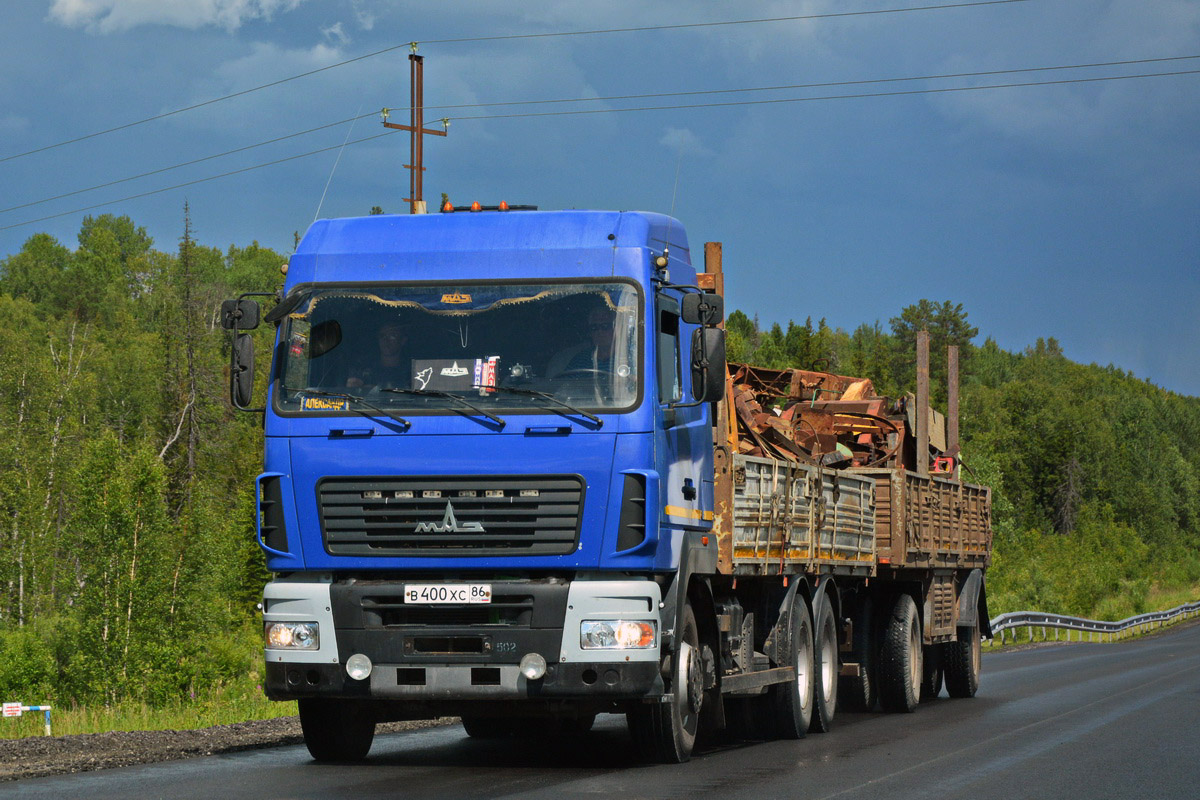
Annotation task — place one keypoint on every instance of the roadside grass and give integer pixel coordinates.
(1110, 610)
(221, 706)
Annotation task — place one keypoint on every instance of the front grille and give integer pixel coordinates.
(451, 516)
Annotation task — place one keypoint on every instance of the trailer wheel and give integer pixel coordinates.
(964, 661)
(337, 730)
(825, 671)
(860, 692)
(792, 702)
(666, 732)
(900, 669)
(931, 673)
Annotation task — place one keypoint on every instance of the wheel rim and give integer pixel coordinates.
(689, 694)
(803, 672)
(828, 659)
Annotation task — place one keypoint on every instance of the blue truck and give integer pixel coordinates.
(502, 481)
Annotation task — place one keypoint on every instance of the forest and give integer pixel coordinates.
(127, 515)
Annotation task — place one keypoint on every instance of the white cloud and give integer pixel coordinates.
(110, 16)
(685, 142)
(336, 31)
(363, 15)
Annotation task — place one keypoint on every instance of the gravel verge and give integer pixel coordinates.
(38, 756)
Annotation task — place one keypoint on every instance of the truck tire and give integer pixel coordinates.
(931, 673)
(861, 692)
(489, 727)
(337, 730)
(900, 669)
(666, 732)
(749, 718)
(964, 661)
(825, 670)
(792, 702)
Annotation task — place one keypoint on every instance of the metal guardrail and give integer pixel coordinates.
(1015, 620)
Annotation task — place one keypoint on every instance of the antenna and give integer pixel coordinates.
(663, 261)
(675, 191)
(336, 161)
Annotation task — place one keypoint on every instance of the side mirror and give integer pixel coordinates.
(241, 371)
(708, 364)
(241, 315)
(702, 309)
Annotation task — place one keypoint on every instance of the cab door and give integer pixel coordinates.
(683, 439)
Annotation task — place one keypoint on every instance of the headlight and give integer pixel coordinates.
(292, 635)
(617, 634)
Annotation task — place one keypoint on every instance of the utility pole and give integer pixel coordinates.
(416, 129)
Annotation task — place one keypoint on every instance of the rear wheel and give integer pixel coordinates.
(749, 718)
(860, 692)
(900, 667)
(931, 674)
(825, 672)
(964, 661)
(667, 731)
(792, 702)
(337, 730)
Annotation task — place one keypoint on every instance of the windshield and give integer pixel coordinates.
(426, 347)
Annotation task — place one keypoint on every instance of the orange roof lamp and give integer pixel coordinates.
(448, 207)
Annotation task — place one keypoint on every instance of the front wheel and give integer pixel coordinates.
(489, 727)
(337, 730)
(666, 732)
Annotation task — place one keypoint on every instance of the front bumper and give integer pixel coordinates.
(462, 653)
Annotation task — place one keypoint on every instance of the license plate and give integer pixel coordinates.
(436, 593)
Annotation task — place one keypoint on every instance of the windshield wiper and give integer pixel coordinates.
(355, 398)
(439, 393)
(547, 396)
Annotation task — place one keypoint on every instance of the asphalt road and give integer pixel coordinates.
(1068, 721)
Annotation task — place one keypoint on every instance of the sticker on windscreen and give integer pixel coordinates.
(324, 403)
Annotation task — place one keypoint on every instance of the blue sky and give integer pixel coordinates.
(1068, 210)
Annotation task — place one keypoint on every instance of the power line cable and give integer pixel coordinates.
(186, 163)
(827, 97)
(199, 180)
(618, 110)
(503, 37)
(781, 87)
(821, 85)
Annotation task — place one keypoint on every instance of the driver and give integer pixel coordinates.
(389, 368)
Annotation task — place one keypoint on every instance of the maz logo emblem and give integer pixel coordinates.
(449, 524)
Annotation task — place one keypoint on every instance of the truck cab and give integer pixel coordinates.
(486, 452)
